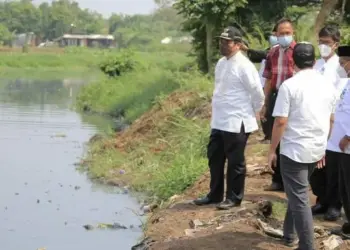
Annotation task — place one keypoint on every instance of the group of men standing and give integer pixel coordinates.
(304, 107)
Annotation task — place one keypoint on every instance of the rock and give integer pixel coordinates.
(145, 244)
(333, 242)
(88, 227)
(190, 232)
(174, 198)
(194, 224)
(149, 208)
(265, 207)
(268, 230)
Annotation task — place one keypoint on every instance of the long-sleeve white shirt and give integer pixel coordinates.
(341, 126)
(238, 95)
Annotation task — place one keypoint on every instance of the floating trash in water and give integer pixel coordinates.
(114, 226)
(59, 135)
(76, 187)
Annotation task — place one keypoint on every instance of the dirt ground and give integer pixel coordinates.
(168, 226)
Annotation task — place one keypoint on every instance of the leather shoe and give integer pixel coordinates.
(275, 187)
(227, 204)
(204, 201)
(332, 214)
(318, 209)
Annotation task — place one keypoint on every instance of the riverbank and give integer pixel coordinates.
(163, 154)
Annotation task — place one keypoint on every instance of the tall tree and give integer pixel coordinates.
(204, 18)
(326, 9)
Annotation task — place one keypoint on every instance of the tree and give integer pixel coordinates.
(204, 18)
(5, 35)
(326, 9)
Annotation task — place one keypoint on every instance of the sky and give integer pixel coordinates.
(106, 7)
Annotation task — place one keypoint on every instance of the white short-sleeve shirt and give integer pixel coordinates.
(307, 100)
(237, 96)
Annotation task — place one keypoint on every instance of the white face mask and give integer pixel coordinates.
(325, 50)
(342, 72)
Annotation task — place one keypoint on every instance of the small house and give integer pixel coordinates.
(97, 41)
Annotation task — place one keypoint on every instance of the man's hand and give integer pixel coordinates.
(321, 163)
(272, 160)
(263, 114)
(344, 143)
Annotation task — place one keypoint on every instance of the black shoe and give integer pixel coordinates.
(290, 242)
(332, 214)
(205, 201)
(319, 209)
(227, 204)
(275, 187)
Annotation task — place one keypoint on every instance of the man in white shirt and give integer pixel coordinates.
(324, 182)
(302, 124)
(340, 140)
(237, 99)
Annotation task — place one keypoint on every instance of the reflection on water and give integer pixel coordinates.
(44, 201)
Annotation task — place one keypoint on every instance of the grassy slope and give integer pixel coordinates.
(132, 94)
(49, 62)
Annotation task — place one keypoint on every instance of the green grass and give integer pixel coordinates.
(279, 210)
(132, 94)
(182, 142)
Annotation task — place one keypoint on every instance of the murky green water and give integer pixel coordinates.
(44, 200)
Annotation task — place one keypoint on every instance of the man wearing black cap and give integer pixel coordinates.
(237, 99)
(340, 139)
(302, 124)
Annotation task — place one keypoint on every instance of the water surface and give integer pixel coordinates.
(45, 201)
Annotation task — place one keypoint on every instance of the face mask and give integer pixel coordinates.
(273, 40)
(325, 50)
(285, 41)
(342, 72)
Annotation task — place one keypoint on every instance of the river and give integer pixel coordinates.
(45, 201)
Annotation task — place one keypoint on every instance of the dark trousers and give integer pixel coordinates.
(225, 145)
(324, 182)
(276, 176)
(344, 183)
(298, 216)
(266, 130)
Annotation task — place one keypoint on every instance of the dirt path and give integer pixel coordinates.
(170, 228)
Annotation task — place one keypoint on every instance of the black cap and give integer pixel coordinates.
(344, 50)
(232, 34)
(304, 55)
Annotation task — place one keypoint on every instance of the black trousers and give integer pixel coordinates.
(344, 183)
(231, 146)
(276, 176)
(324, 182)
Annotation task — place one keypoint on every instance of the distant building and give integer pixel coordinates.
(183, 39)
(105, 41)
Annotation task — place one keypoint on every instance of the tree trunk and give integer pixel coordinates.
(326, 9)
(343, 5)
(209, 45)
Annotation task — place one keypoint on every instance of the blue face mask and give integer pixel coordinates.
(273, 40)
(285, 41)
